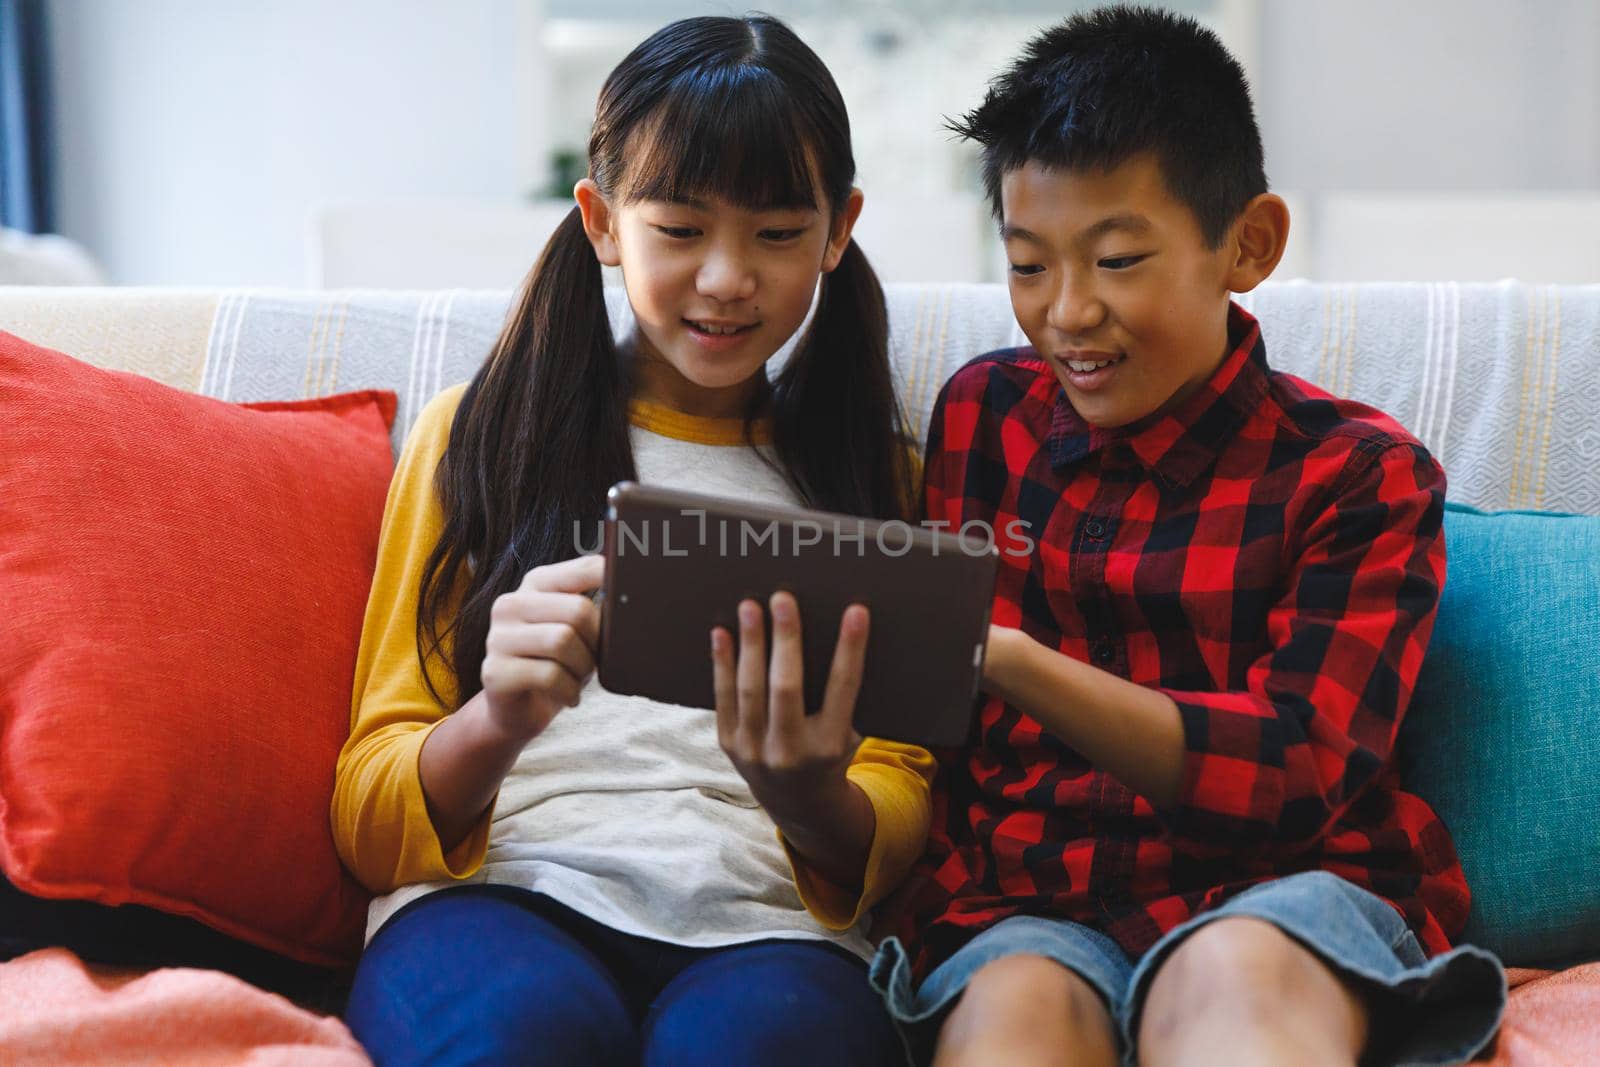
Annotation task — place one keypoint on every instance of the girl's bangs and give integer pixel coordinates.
(731, 138)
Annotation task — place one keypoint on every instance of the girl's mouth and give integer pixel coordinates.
(717, 335)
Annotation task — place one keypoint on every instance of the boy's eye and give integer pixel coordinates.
(1121, 262)
(1026, 269)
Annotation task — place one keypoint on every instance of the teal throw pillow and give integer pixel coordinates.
(1503, 735)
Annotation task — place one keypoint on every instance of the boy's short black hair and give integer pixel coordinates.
(1115, 82)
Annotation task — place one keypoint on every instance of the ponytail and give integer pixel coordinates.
(540, 435)
(837, 424)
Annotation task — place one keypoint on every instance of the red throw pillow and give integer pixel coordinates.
(182, 583)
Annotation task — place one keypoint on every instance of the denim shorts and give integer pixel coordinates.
(1424, 1011)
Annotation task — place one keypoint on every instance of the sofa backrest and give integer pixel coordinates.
(1501, 381)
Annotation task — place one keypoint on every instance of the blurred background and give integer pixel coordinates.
(403, 143)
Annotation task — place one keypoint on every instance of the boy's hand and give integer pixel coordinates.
(999, 659)
(1133, 731)
(794, 763)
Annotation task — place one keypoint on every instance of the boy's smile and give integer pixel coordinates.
(1113, 284)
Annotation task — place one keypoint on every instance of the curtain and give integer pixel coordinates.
(25, 178)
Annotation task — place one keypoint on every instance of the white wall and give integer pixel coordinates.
(196, 136)
(1430, 94)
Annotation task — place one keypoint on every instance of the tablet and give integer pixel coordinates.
(679, 563)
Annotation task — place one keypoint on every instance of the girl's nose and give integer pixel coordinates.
(726, 276)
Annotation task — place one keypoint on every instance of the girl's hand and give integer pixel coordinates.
(541, 647)
(794, 763)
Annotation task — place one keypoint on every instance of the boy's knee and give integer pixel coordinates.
(1234, 946)
(1026, 1009)
(1248, 975)
(1219, 975)
(1234, 965)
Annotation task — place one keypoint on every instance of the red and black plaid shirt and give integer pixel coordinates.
(1267, 555)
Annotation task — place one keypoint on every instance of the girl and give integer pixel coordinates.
(573, 877)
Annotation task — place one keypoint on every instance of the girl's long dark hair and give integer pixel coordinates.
(736, 109)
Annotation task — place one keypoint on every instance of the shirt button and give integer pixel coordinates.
(1095, 529)
(1104, 652)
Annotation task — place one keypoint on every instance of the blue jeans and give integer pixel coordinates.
(1423, 1011)
(487, 974)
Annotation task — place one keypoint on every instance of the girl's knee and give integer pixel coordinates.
(475, 979)
(774, 1005)
(515, 1012)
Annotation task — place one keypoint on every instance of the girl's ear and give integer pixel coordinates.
(1261, 234)
(597, 222)
(839, 238)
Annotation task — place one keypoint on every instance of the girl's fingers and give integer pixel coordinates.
(585, 619)
(511, 674)
(725, 687)
(751, 679)
(529, 606)
(786, 699)
(844, 676)
(543, 640)
(582, 575)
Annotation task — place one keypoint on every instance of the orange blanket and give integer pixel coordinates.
(56, 1010)
(1552, 1019)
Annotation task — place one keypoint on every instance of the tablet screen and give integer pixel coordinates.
(679, 563)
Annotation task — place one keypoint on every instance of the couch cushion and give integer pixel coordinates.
(1503, 736)
(182, 583)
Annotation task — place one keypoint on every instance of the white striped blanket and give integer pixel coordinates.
(1501, 381)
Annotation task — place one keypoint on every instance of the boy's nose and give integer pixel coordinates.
(1075, 310)
(726, 277)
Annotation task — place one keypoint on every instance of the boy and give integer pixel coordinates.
(1177, 832)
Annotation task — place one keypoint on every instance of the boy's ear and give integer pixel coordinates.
(839, 237)
(1261, 233)
(597, 222)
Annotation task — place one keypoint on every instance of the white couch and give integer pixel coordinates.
(1501, 381)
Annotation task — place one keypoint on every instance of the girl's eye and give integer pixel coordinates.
(680, 233)
(1121, 262)
(781, 235)
(1025, 270)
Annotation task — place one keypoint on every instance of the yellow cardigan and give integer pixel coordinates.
(380, 819)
